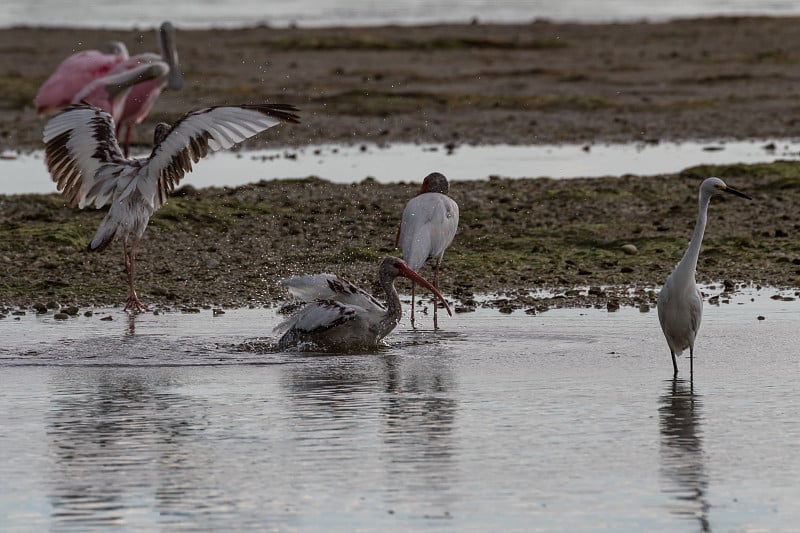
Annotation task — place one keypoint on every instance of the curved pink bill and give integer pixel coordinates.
(406, 272)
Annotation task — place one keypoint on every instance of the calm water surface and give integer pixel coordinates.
(564, 421)
(26, 173)
(309, 13)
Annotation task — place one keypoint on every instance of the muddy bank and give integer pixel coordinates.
(715, 78)
(532, 83)
(230, 247)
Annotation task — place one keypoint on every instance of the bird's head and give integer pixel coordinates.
(435, 182)
(712, 186)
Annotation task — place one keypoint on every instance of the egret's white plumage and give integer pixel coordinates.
(339, 315)
(85, 160)
(428, 226)
(680, 307)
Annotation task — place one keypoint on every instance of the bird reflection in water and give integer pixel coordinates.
(682, 461)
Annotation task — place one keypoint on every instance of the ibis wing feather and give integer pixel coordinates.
(207, 130)
(319, 316)
(330, 287)
(78, 142)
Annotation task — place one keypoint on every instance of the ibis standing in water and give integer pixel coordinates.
(340, 316)
(85, 160)
(429, 223)
(680, 307)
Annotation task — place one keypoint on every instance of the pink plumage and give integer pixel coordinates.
(75, 73)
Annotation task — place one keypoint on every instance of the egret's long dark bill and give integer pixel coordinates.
(735, 192)
(416, 278)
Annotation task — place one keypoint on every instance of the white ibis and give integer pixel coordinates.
(339, 316)
(429, 223)
(86, 162)
(680, 307)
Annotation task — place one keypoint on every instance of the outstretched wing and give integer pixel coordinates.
(318, 316)
(330, 287)
(78, 142)
(208, 130)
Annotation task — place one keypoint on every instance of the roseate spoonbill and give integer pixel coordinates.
(110, 92)
(74, 73)
(339, 316)
(680, 306)
(429, 223)
(143, 96)
(85, 161)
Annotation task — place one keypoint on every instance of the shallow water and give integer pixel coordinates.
(564, 421)
(313, 13)
(411, 162)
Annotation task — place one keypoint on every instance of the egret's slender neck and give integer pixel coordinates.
(688, 264)
(394, 312)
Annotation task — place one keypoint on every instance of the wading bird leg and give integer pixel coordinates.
(435, 284)
(133, 302)
(127, 142)
(413, 290)
(674, 364)
(691, 363)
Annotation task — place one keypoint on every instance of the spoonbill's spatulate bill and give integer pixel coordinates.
(86, 162)
(142, 96)
(427, 229)
(339, 316)
(680, 307)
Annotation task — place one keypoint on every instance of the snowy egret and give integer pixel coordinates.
(680, 307)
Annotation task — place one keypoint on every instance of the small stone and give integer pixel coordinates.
(464, 309)
(218, 312)
(40, 308)
(626, 270)
(18, 313)
(612, 306)
(88, 313)
(506, 310)
(530, 311)
(630, 249)
(52, 304)
(61, 316)
(761, 317)
(644, 308)
(595, 291)
(107, 318)
(72, 310)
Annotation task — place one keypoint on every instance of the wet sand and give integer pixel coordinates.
(711, 79)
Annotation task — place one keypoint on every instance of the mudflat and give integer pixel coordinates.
(721, 78)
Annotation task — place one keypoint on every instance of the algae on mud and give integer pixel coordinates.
(229, 247)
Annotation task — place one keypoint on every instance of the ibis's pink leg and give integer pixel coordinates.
(413, 287)
(133, 302)
(435, 284)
